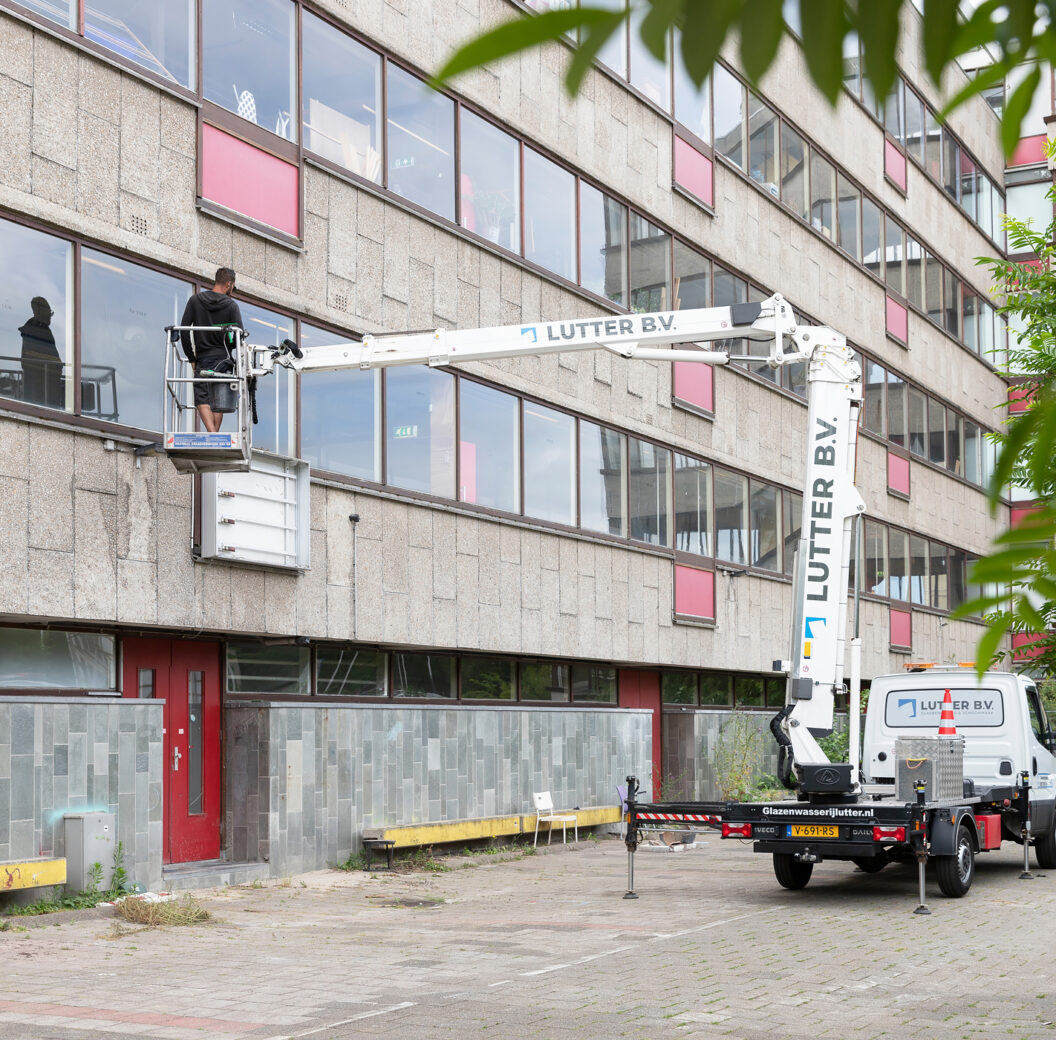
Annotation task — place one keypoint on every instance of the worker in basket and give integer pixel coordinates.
(211, 352)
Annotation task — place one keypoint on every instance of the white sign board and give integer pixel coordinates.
(921, 709)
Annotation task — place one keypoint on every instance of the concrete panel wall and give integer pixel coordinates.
(304, 781)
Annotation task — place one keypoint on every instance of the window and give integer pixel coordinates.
(937, 569)
(274, 670)
(649, 487)
(750, 691)
(489, 452)
(791, 526)
(951, 166)
(487, 679)
(984, 203)
(692, 278)
(716, 689)
(123, 307)
(490, 180)
(350, 672)
(933, 287)
(795, 181)
(936, 432)
(849, 214)
(249, 61)
(762, 145)
(918, 422)
(898, 583)
(895, 111)
(822, 195)
(62, 11)
(914, 126)
(728, 290)
(603, 240)
(692, 106)
(954, 442)
(766, 550)
(650, 266)
(1030, 203)
(932, 146)
(678, 687)
(420, 430)
(972, 452)
(852, 64)
(918, 585)
(549, 215)
(914, 272)
(731, 516)
(692, 505)
(36, 316)
(428, 676)
(956, 567)
(894, 250)
(158, 36)
(602, 480)
(968, 185)
(896, 409)
(549, 464)
(872, 237)
(545, 681)
(873, 398)
(970, 319)
(48, 659)
(276, 395)
(340, 415)
(649, 75)
(594, 682)
(342, 98)
(875, 543)
(614, 51)
(420, 150)
(728, 102)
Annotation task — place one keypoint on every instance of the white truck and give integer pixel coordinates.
(838, 813)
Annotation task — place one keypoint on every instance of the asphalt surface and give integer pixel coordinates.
(546, 947)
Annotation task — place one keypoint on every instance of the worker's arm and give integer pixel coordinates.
(185, 336)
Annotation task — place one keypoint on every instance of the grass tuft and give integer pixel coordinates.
(158, 915)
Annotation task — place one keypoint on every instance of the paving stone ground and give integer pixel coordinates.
(544, 947)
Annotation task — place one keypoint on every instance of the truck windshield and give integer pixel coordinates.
(913, 709)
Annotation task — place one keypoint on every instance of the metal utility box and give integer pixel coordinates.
(938, 761)
(90, 838)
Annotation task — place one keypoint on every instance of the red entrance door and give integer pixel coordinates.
(187, 677)
(640, 689)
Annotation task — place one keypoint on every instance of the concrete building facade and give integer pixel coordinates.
(523, 575)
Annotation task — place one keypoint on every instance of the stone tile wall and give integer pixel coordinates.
(304, 781)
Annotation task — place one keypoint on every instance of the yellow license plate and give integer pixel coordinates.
(813, 830)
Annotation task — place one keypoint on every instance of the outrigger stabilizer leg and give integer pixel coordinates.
(632, 835)
(1024, 816)
(919, 848)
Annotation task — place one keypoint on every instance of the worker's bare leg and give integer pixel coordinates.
(210, 420)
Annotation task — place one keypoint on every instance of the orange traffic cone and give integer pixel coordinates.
(946, 725)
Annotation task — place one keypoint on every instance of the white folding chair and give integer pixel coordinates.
(544, 813)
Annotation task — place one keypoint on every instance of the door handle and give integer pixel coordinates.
(176, 756)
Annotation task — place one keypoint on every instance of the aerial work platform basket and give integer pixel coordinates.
(191, 448)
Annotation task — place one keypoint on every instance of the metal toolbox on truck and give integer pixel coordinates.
(938, 761)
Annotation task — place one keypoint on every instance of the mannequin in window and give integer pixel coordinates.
(41, 365)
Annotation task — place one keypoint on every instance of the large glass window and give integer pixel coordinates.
(914, 126)
(340, 413)
(692, 106)
(549, 464)
(918, 570)
(36, 311)
(649, 490)
(650, 266)
(731, 516)
(276, 395)
(937, 569)
(490, 181)
(275, 670)
(932, 146)
(956, 569)
(951, 166)
(716, 689)
(123, 306)
(750, 691)
(898, 583)
(728, 101)
(822, 195)
(896, 409)
(421, 143)
(603, 241)
(791, 526)
(795, 181)
(849, 214)
(159, 36)
(602, 480)
(692, 283)
(918, 422)
(914, 272)
(873, 398)
(954, 442)
(545, 681)
(488, 449)
(487, 679)
(342, 98)
(249, 63)
(347, 671)
(678, 687)
(36, 659)
(594, 682)
(875, 544)
(62, 11)
(614, 51)
(766, 547)
(872, 237)
(429, 676)
(951, 291)
(549, 215)
(933, 287)
(648, 74)
(970, 319)
(894, 251)
(692, 505)
(936, 432)
(895, 110)
(420, 430)
(762, 145)
(968, 193)
(972, 452)
(1030, 204)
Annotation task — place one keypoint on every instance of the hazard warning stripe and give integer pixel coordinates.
(689, 817)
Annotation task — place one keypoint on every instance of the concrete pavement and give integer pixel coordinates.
(545, 947)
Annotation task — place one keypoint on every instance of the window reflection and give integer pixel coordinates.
(349, 672)
(614, 51)
(603, 238)
(545, 681)
(914, 272)
(872, 237)
(255, 668)
(692, 505)
(649, 487)
(488, 450)
(649, 75)
(248, 61)
(340, 415)
(421, 143)
(850, 206)
(873, 398)
(762, 144)
(602, 480)
(159, 36)
(728, 102)
(692, 278)
(650, 266)
(894, 250)
(918, 570)
(276, 399)
(36, 347)
(43, 658)
(794, 176)
(490, 182)
(62, 11)
(766, 552)
(549, 215)
(937, 568)
(429, 676)
(791, 526)
(896, 409)
(678, 687)
(549, 464)
(731, 517)
(898, 583)
(342, 98)
(875, 544)
(594, 682)
(420, 430)
(487, 679)
(822, 195)
(954, 442)
(917, 422)
(936, 432)
(692, 105)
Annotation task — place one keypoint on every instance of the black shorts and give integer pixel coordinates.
(203, 392)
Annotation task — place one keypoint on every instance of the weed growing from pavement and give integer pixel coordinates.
(155, 915)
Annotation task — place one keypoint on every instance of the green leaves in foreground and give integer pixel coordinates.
(699, 29)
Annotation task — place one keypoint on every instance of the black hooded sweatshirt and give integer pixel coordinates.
(208, 308)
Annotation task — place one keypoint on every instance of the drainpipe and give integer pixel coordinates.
(354, 521)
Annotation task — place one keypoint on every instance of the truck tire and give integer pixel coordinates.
(870, 864)
(955, 873)
(790, 872)
(1045, 849)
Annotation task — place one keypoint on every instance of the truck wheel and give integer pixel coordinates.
(1045, 849)
(955, 873)
(870, 864)
(790, 872)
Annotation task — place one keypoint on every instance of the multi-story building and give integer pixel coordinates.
(534, 574)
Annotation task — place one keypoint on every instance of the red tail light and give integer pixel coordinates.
(889, 834)
(736, 830)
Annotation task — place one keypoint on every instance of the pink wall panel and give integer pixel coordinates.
(1022, 650)
(1029, 150)
(249, 181)
(897, 473)
(895, 165)
(695, 384)
(694, 171)
(901, 628)
(897, 320)
(694, 592)
(1020, 398)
